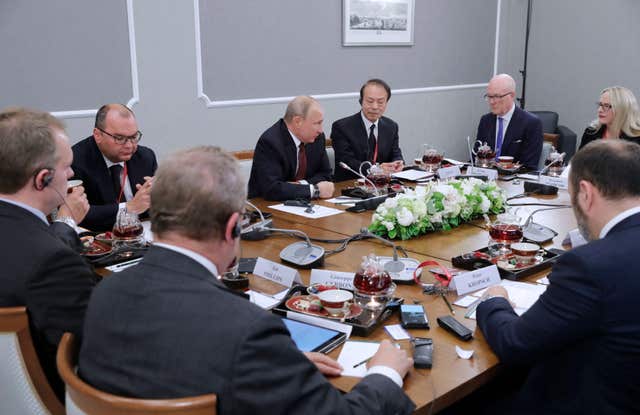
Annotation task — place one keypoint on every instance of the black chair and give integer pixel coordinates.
(567, 140)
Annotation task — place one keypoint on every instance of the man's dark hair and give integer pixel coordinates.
(101, 115)
(375, 81)
(612, 166)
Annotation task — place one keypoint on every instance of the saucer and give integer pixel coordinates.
(105, 237)
(94, 248)
(509, 168)
(509, 264)
(303, 304)
(319, 287)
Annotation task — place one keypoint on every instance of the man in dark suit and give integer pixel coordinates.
(40, 269)
(367, 135)
(582, 337)
(168, 328)
(115, 170)
(508, 129)
(290, 160)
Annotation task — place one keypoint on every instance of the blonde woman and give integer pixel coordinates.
(618, 117)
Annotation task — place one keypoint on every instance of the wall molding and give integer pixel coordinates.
(275, 100)
(135, 98)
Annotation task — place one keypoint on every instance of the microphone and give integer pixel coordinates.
(302, 254)
(470, 151)
(259, 230)
(359, 174)
(395, 265)
(536, 232)
(560, 158)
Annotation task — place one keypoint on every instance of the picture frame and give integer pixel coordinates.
(377, 22)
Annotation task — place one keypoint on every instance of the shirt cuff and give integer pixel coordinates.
(386, 371)
(122, 205)
(310, 191)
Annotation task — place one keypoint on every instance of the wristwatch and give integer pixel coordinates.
(316, 192)
(68, 220)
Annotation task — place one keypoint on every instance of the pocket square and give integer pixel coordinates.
(518, 141)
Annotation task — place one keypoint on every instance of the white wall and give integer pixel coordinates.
(171, 116)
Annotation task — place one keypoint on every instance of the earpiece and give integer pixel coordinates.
(235, 232)
(46, 179)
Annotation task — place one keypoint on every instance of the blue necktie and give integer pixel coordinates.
(499, 138)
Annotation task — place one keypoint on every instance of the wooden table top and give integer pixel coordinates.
(451, 378)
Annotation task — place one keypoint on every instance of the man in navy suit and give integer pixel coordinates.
(582, 337)
(367, 135)
(169, 328)
(290, 160)
(116, 171)
(40, 267)
(509, 130)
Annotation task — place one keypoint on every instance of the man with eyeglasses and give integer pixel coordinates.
(509, 130)
(116, 171)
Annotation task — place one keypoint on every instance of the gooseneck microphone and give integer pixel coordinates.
(395, 265)
(359, 174)
(302, 254)
(559, 159)
(536, 232)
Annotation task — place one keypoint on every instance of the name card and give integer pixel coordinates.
(447, 172)
(559, 182)
(480, 171)
(342, 280)
(476, 280)
(275, 272)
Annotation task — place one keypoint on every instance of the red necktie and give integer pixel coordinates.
(302, 163)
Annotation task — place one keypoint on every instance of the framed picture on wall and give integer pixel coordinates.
(377, 22)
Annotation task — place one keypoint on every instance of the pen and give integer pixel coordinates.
(444, 297)
(362, 363)
(127, 263)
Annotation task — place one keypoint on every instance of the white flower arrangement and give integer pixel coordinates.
(438, 206)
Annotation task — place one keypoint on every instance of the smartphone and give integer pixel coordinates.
(413, 316)
(246, 265)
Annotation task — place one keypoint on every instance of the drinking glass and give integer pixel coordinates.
(431, 157)
(127, 231)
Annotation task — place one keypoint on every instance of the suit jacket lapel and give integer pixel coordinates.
(290, 151)
(362, 136)
(102, 175)
(512, 130)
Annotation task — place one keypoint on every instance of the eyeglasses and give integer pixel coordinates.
(490, 97)
(605, 107)
(120, 139)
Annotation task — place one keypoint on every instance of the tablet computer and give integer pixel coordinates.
(310, 338)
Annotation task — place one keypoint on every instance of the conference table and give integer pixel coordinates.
(451, 378)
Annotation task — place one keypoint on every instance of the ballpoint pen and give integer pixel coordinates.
(363, 362)
(446, 301)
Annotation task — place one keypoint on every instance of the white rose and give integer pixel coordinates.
(391, 203)
(485, 204)
(404, 216)
(388, 225)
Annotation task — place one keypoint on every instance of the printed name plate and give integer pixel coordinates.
(275, 272)
(479, 171)
(475, 280)
(447, 172)
(342, 280)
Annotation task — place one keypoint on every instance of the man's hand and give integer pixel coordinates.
(76, 205)
(496, 291)
(142, 199)
(326, 365)
(390, 356)
(393, 167)
(326, 189)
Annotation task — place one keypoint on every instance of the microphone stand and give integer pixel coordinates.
(359, 174)
(395, 265)
(561, 158)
